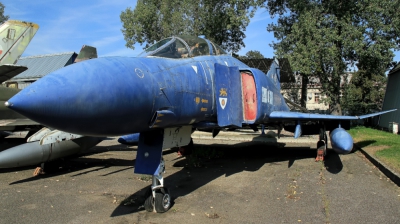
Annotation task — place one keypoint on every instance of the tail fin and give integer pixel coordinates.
(274, 73)
(15, 37)
(87, 52)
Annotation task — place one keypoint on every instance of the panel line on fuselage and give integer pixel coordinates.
(205, 73)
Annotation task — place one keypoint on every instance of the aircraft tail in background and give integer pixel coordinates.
(87, 52)
(15, 37)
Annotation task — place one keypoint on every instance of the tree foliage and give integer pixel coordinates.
(222, 21)
(254, 55)
(3, 17)
(325, 38)
(250, 55)
(364, 95)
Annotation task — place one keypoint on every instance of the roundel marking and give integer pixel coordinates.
(139, 73)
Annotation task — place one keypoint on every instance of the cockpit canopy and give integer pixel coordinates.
(182, 47)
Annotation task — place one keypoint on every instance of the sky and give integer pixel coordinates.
(66, 26)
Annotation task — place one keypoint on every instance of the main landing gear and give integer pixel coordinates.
(158, 198)
(322, 145)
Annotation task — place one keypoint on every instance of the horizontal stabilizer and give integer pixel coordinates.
(286, 115)
(87, 52)
(15, 36)
(9, 71)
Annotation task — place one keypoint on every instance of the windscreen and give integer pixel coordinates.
(183, 47)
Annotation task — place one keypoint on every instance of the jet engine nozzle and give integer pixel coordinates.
(341, 141)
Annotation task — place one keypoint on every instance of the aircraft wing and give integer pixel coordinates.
(287, 115)
(9, 71)
(17, 122)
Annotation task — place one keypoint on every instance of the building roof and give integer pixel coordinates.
(265, 63)
(41, 65)
(395, 69)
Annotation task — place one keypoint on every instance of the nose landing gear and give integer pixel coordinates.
(158, 198)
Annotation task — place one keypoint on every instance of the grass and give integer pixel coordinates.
(384, 145)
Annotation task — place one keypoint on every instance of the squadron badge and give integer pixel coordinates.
(223, 99)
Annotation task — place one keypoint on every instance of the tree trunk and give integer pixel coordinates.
(303, 98)
(334, 106)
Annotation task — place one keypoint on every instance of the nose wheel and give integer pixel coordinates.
(158, 198)
(160, 203)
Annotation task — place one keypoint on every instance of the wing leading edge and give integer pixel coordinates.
(287, 115)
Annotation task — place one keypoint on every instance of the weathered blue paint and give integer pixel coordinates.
(148, 156)
(269, 96)
(163, 118)
(228, 96)
(297, 132)
(116, 95)
(168, 86)
(287, 115)
(341, 141)
(131, 139)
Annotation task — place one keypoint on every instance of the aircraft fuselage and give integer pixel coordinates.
(121, 95)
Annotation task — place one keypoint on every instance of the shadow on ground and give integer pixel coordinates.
(219, 160)
(229, 160)
(365, 143)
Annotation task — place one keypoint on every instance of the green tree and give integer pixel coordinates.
(222, 21)
(325, 38)
(366, 90)
(364, 95)
(3, 17)
(254, 55)
(249, 55)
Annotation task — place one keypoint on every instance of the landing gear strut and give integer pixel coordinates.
(149, 161)
(321, 145)
(158, 198)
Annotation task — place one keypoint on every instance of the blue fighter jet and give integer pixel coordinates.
(179, 84)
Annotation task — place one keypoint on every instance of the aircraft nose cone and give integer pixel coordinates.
(98, 97)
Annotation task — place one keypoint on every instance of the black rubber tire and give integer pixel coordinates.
(162, 201)
(148, 203)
